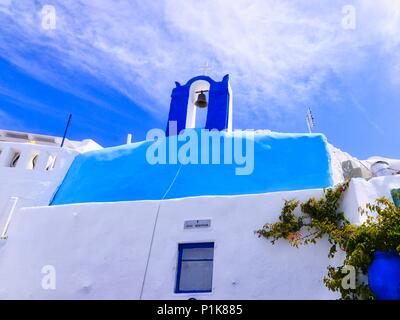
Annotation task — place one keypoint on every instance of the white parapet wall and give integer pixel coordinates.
(32, 167)
(362, 192)
(338, 158)
(100, 250)
(30, 173)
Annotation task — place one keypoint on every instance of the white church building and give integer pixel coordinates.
(174, 216)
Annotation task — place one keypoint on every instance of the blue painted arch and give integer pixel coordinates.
(218, 107)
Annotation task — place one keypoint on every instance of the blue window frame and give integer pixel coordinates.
(195, 267)
(396, 197)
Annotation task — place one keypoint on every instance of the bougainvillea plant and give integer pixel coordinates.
(321, 218)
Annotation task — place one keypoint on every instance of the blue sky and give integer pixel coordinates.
(112, 64)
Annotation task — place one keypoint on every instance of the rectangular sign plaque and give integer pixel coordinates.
(197, 224)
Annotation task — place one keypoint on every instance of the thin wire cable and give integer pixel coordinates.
(154, 229)
(370, 171)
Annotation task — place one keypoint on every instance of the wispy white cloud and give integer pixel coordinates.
(7, 121)
(279, 53)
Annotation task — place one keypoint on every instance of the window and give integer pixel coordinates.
(32, 162)
(51, 161)
(14, 159)
(396, 197)
(195, 267)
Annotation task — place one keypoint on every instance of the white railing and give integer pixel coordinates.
(14, 201)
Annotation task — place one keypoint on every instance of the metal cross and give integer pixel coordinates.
(206, 68)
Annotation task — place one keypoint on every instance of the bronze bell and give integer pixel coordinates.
(201, 100)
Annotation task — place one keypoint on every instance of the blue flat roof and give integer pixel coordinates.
(282, 162)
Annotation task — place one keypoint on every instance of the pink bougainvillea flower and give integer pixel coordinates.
(299, 235)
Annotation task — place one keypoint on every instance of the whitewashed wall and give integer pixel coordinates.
(31, 186)
(337, 157)
(100, 250)
(245, 266)
(361, 192)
